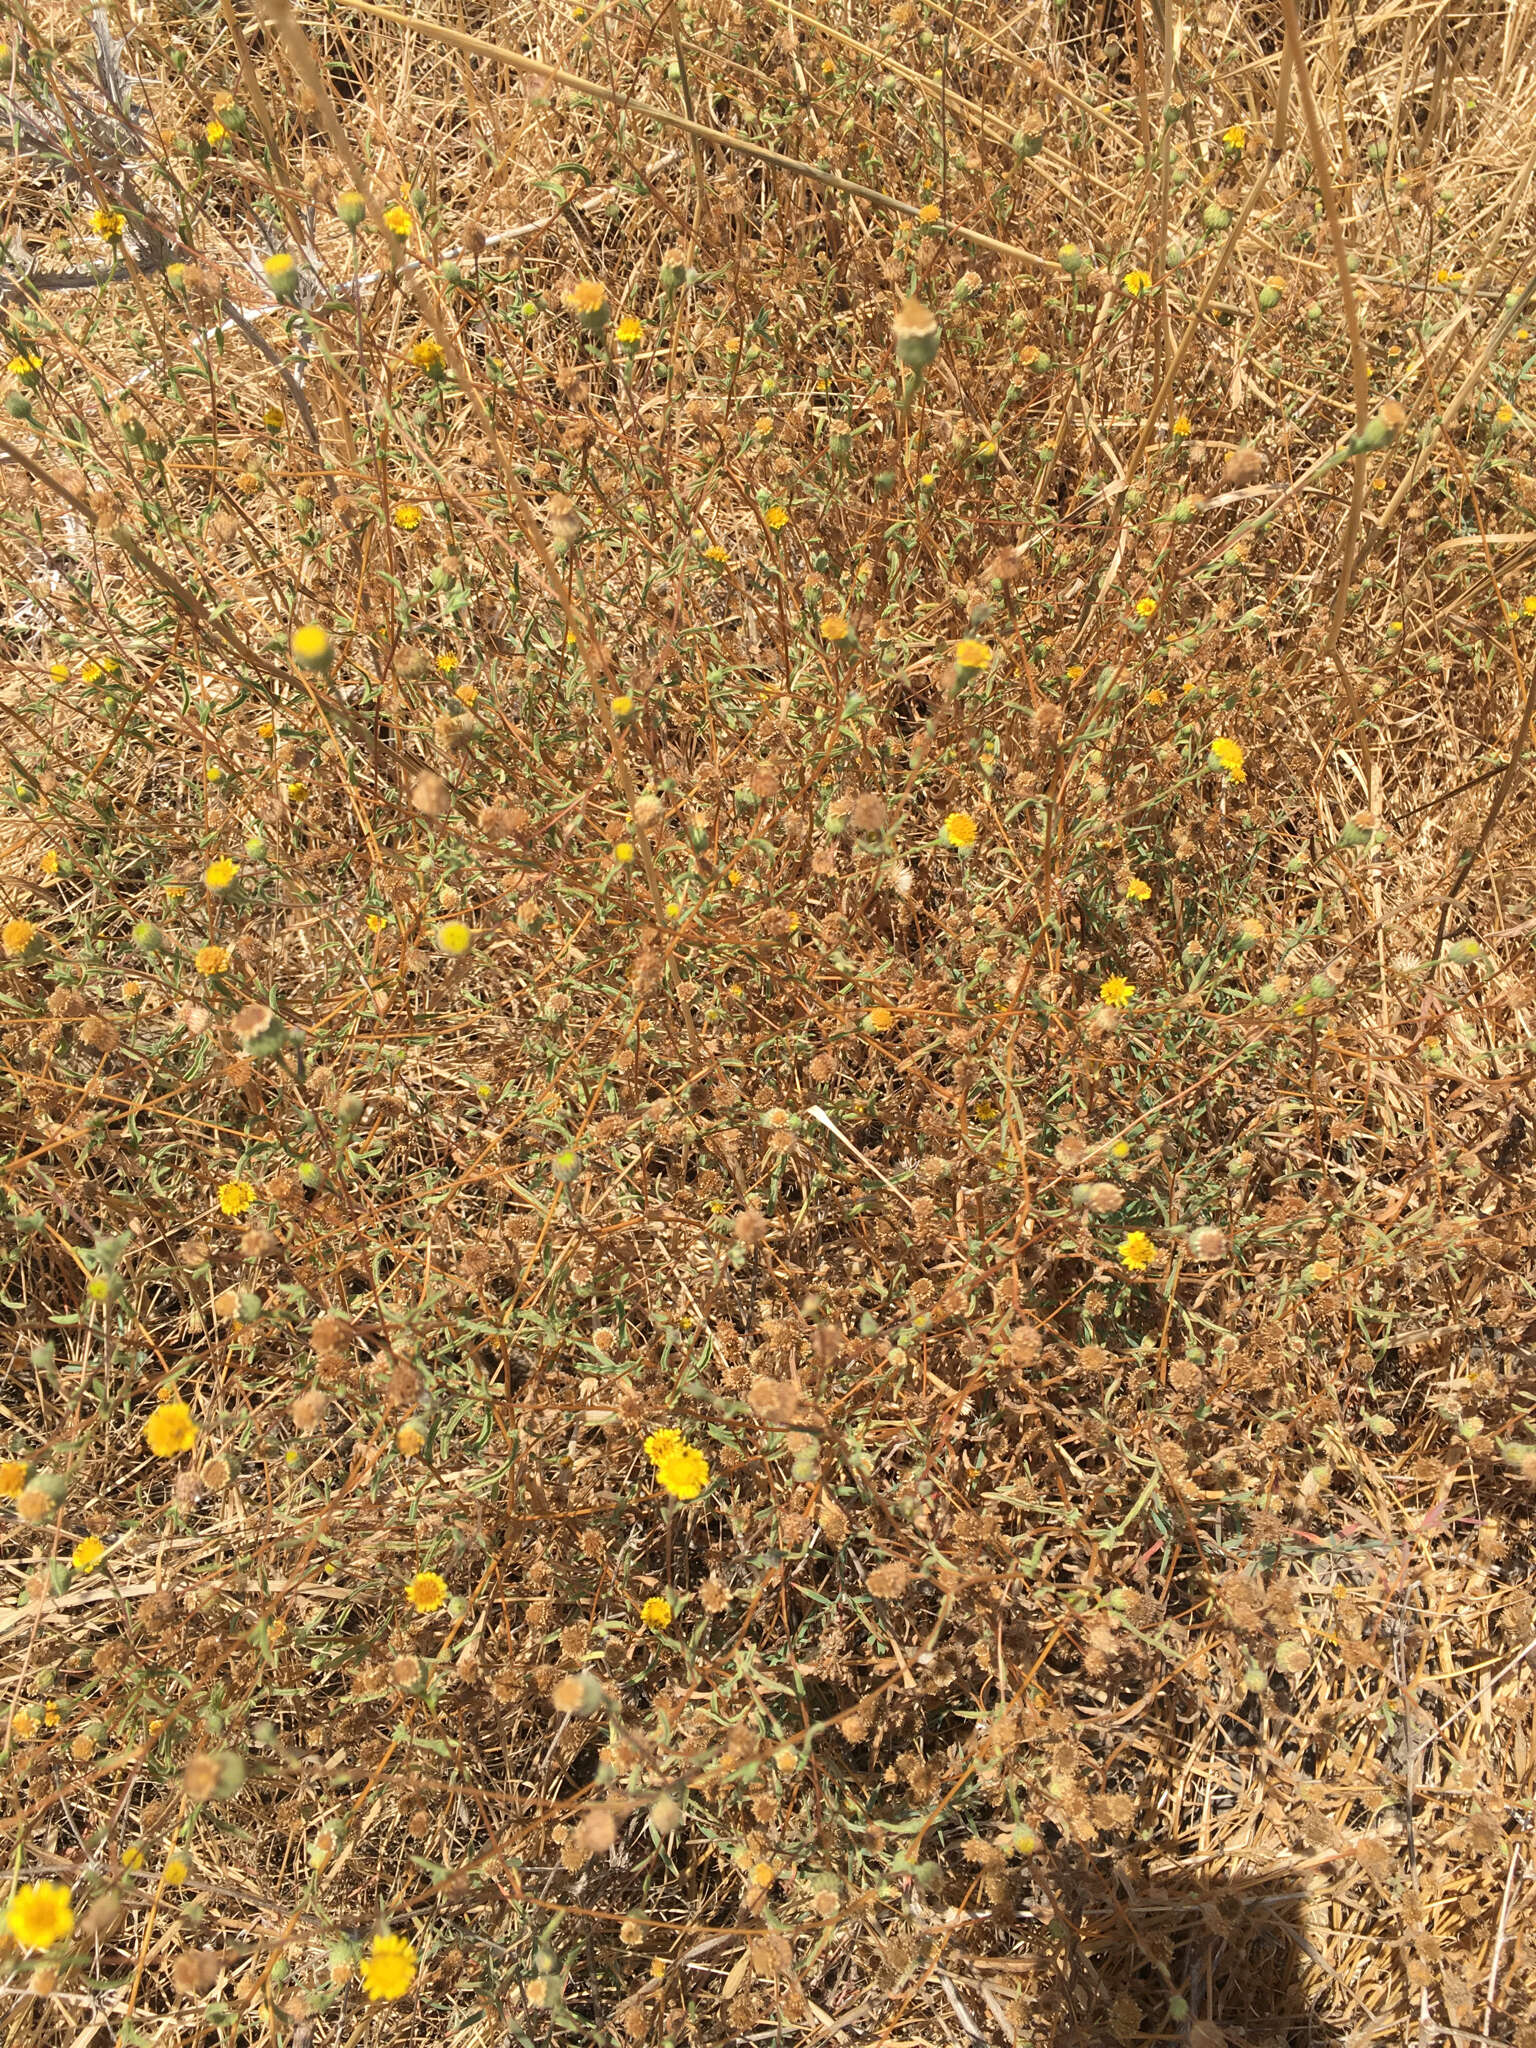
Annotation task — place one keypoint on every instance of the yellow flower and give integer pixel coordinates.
(622, 706)
(211, 959)
(407, 517)
(467, 695)
(426, 1592)
(376, 923)
(1136, 1252)
(880, 1019)
(1135, 282)
(281, 272)
(310, 647)
(835, 630)
(1156, 697)
(1117, 992)
(928, 214)
(454, 939)
(24, 1724)
(409, 1440)
(236, 1196)
(170, 1429)
(1229, 755)
(960, 830)
(389, 1970)
(16, 936)
(398, 221)
(657, 1612)
(40, 1915)
(25, 368)
(218, 875)
(972, 658)
(1528, 605)
(107, 223)
(630, 332)
(49, 861)
(1236, 137)
(1146, 607)
(133, 1857)
(683, 1471)
(1181, 427)
(624, 853)
(13, 1477)
(427, 354)
(215, 132)
(1138, 890)
(448, 663)
(175, 1871)
(660, 1442)
(776, 519)
(587, 298)
(717, 555)
(87, 1555)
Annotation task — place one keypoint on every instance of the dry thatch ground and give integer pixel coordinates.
(831, 757)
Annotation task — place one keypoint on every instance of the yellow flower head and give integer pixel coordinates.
(215, 132)
(960, 831)
(170, 1429)
(410, 1441)
(281, 271)
(427, 354)
(1228, 754)
(682, 1471)
(1182, 428)
(657, 1612)
(835, 630)
(1136, 1252)
(776, 519)
(1138, 890)
(1117, 992)
(879, 1019)
(16, 936)
(1528, 605)
(211, 959)
(1146, 607)
(588, 299)
(310, 647)
(660, 1442)
(13, 1477)
(972, 658)
(49, 861)
(448, 663)
(87, 1555)
(426, 1592)
(389, 1969)
(40, 1915)
(219, 875)
(1135, 282)
(1236, 137)
(175, 1870)
(621, 706)
(454, 939)
(398, 221)
(624, 853)
(630, 332)
(407, 517)
(108, 223)
(236, 1196)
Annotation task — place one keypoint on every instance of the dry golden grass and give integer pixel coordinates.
(915, 867)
